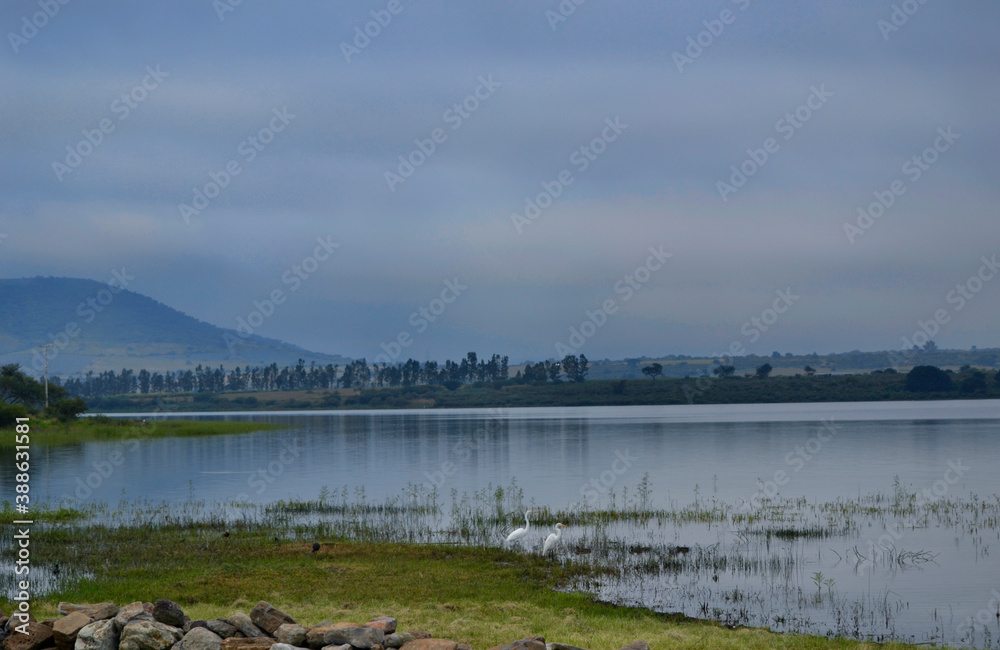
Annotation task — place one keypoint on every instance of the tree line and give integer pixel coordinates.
(356, 374)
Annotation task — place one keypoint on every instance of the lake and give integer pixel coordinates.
(911, 551)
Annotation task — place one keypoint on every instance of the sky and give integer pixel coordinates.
(533, 178)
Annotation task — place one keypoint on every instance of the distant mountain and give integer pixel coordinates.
(96, 326)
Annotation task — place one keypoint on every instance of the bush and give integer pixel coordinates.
(9, 414)
(927, 379)
(68, 409)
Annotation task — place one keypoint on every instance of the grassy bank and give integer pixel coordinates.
(477, 595)
(704, 390)
(54, 433)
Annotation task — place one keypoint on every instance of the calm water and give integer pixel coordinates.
(566, 456)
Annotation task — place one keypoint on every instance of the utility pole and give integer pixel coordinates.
(46, 348)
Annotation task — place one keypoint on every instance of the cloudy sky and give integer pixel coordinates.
(509, 167)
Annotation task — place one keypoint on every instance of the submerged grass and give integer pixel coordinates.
(482, 596)
(51, 433)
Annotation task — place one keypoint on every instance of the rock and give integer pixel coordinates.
(527, 643)
(256, 643)
(344, 624)
(200, 638)
(38, 636)
(64, 630)
(463, 646)
(385, 623)
(223, 628)
(97, 612)
(148, 635)
(344, 646)
(268, 618)
(284, 646)
(430, 644)
(637, 645)
(417, 634)
(49, 621)
(291, 634)
(99, 635)
(190, 625)
(242, 622)
(358, 637)
(168, 612)
(397, 639)
(127, 613)
(561, 646)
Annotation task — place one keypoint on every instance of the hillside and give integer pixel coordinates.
(94, 327)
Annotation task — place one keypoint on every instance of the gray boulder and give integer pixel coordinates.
(291, 633)
(268, 618)
(358, 637)
(148, 635)
(97, 612)
(168, 612)
(200, 638)
(99, 635)
(223, 628)
(244, 624)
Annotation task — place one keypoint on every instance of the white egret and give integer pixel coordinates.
(553, 539)
(521, 532)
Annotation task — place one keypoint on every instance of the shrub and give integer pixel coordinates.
(927, 379)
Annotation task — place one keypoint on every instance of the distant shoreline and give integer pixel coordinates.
(602, 392)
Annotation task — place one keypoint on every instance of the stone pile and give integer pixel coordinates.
(163, 626)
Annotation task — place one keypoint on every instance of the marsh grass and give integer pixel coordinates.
(52, 433)
(432, 562)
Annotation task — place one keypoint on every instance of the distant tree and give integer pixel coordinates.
(553, 370)
(571, 366)
(653, 370)
(974, 383)
(890, 371)
(724, 371)
(582, 369)
(996, 378)
(775, 355)
(930, 346)
(810, 370)
(68, 409)
(965, 368)
(764, 370)
(927, 379)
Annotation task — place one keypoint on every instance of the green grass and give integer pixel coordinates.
(52, 433)
(479, 596)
